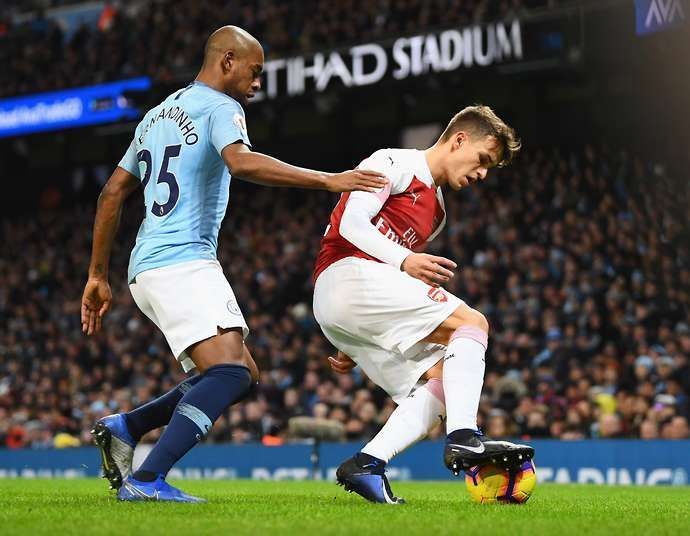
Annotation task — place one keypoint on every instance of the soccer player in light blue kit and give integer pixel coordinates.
(180, 156)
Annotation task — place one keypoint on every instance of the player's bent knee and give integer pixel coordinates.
(463, 316)
(250, 364)
(466, 316)
(203, 363)
(225, 348)
(480, 321)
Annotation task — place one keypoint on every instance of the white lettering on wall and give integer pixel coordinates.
(416, 55)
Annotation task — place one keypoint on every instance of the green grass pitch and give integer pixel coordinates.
(247, 507)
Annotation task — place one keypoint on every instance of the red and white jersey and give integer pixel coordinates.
(409, 210)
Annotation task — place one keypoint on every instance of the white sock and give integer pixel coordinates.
(463, 376)
(413, 419)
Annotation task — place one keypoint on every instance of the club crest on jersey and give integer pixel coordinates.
(233, 307)
(240, 123)
(438, 295)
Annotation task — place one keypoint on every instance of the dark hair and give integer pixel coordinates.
(482, 121)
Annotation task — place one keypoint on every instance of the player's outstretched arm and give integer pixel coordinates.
(97, 296)
(268, 171)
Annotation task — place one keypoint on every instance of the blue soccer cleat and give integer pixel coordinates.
(116, 446)
(158, 490)
(368, 480)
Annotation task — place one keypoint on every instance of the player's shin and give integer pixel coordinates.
(159, 411)
(463, 377)
(411, 421)
(218, 388)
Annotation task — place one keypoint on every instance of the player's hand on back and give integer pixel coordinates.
(342, 364)
(357, 180)
(95, 302)
(430, 269)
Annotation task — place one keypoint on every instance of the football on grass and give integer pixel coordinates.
(492, 484)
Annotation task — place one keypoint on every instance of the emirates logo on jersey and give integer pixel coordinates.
(438, 295)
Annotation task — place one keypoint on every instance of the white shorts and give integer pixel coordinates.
(378, 315)
(188, 302)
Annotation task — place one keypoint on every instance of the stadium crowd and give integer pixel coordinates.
(162, 39)
(579, 260)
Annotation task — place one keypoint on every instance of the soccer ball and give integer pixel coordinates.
(490, 484)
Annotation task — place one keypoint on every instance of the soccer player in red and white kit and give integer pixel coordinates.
(379, 301)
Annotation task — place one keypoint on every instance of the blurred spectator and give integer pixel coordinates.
(649, 430)
(676, 428)
(499, 425)
(610, 426)
(579, 261)
(147, 38)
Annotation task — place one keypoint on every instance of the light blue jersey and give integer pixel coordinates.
(176, 154)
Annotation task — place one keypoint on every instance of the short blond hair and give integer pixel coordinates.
(482, 121)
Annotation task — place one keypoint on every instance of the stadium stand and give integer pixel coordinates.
(578, 258)
(156, 39)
